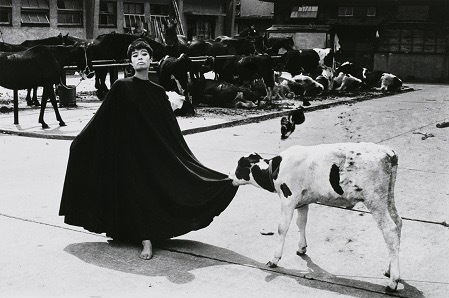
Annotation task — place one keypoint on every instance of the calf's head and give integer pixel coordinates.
(255, 170)
(244, 173)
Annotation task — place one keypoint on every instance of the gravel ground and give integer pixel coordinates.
(86, 94)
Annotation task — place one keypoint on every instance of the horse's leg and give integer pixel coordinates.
(35, 101)
(100, 83)
(28, 98)
(43, 105)
(52, 96)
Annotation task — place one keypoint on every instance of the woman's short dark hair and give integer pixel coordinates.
(139, 44)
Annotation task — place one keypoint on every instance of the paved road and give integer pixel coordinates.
(43, 257)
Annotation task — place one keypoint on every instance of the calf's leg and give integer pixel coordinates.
(301, 222)
(391, 232)
(286, 217)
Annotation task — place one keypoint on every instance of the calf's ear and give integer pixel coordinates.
(244, 163)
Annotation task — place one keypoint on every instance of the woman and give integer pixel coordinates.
(130, 172)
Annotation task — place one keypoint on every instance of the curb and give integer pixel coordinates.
(249, 120)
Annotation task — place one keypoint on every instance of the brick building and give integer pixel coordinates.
(407, 37)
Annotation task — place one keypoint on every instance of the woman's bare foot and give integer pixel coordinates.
(147, 251)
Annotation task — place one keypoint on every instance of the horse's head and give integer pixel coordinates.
(171, 35)
(83, 61)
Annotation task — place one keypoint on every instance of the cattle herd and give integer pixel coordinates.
(244, 71)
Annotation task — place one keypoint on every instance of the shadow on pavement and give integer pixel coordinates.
(176, 258)
(318, 273)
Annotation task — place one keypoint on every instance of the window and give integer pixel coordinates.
(413, 12)
(371, 12)
(5, 12)
(345, 11)
(413, 41)
(133, 13)
(159, 9)
(304, 12)
(35, 13)
(200, 29)
(108, 14)
(70, 12)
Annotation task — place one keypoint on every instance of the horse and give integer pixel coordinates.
(41, 66)
(175, 44)
(114, 46)
(206, 48)
(54, 40)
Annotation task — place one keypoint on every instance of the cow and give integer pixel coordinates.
(222, 94)
(325, 77)
(252, 67)
(288, 86)
(340, 174)
(390, 82)
(243, 70)
(225, 68)
(346, 82)
(303, 84)
(174, 74)
(306, 61)
(278, 45)
(377, 79)
(179, 104)
(299, 85)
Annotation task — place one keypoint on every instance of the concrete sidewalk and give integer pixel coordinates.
(43, 257)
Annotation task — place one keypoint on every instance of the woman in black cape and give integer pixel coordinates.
(130, 172)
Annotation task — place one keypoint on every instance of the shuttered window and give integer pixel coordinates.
(133, 14)
(35, 13)
(70, 12)
(5, 12)
(413, 41)
(346, 11)
(108, 14)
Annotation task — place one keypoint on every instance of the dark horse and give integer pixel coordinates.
(41, 66)
(175, 44)
(113, 46)
(54, 40)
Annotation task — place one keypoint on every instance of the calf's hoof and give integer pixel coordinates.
(302, 251)
(271, 264)
(392, 287)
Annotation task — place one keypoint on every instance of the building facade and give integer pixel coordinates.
(253, 13)
(31, 19)
(407, 37)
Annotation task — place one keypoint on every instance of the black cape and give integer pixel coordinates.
(131, 174)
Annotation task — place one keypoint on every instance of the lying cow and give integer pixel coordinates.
(390, 82)
(333, 174)
(346, 82)
(378, 79)
(222, 94)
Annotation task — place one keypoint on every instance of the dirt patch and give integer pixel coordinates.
(6, 103)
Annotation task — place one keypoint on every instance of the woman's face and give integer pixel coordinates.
(140, 59)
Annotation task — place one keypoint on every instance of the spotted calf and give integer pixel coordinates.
(333, 174)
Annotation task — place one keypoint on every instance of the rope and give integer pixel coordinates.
(86, 70)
